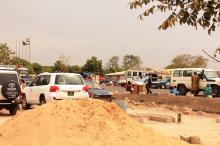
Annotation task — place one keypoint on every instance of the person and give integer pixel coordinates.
(129, 87)
(148, 83)
(208, 90)
(195, 84)
(175, 91)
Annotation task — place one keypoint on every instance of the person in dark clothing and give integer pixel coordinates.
(148, 83)
(129, 87)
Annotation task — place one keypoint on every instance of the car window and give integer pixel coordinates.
(44, 80)
(35, 81)
(135, 73)
(7, 77)
(187, 73)
(68, 79)
(129, 73)
(94, 85)
(177, 73)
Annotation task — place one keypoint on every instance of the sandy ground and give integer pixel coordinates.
(79, 122)
(192, 125)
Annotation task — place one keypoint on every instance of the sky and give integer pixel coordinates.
(80, 29)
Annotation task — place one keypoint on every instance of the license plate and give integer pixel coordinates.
(70, 93)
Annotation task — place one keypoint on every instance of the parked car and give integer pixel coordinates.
(165, 83)
(96, 91)
(182, 79)
(10, 91)
(54, 86)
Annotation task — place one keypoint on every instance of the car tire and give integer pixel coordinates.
(13, 110)
(182, 89)
(24, 103)
(215, 91)
(42, 100)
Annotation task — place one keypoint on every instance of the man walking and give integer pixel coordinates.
(148, 82)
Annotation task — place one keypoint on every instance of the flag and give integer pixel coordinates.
(26, 42)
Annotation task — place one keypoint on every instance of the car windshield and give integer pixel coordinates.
(68, 79)
(211, 74)
(7, 77)
(165, 79)
(93, 85)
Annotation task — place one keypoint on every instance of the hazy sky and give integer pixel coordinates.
(80, 29)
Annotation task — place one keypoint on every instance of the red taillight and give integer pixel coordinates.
(54, 88)
(86, 88)
(20, 94)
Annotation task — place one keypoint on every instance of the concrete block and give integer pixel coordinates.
(163, 119)
(191, 139)
(187, 112)
(218, 120)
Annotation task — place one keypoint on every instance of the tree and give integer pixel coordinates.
(205, 13)
(186, 60)
(37, 68)
(59, 66)
(5, 54)
(18, 61)
(113, 64)
(131, 61)
(75, 69)
(93, 65)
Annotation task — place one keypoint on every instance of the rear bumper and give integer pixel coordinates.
(8, 103)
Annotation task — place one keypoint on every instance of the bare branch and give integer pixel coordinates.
(210, 56)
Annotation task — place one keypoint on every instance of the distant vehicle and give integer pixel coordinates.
(10, 91)
(96, 91)
(164, 83)
(181, 78)
(54, 86)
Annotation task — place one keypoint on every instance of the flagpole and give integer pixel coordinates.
(22, 51)
(30, 53)
(16, 45)
(19, 48)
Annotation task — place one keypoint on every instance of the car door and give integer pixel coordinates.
(32, 90)
(42, 88)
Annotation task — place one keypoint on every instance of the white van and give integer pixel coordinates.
(181, 78)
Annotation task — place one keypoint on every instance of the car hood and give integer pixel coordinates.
(100, 91)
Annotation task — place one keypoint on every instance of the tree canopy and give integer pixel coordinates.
(93, 65)
(113, 64)
(205, 13)
(5, 54)
(131, 61)
(186, 60)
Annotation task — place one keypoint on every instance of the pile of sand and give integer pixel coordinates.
(79, 122)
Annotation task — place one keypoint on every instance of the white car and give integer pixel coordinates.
(54, 86)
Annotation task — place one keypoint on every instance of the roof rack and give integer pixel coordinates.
(7, 67)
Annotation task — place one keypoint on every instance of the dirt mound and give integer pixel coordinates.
(79, 122)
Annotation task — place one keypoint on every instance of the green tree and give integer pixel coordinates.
(186, 60)
(131, 61)
(15, 60)
(5, 54)
(205, 13)
(93, 65)
(37, 68)
(47, 68)
(75, 69)
(113, 64)
(59, 66)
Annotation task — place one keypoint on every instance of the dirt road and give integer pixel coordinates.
(4, 116)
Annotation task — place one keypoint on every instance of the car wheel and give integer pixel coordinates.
(215, 91)
(24, 103)
(42, 100)
(13, 110)
(182, 89)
